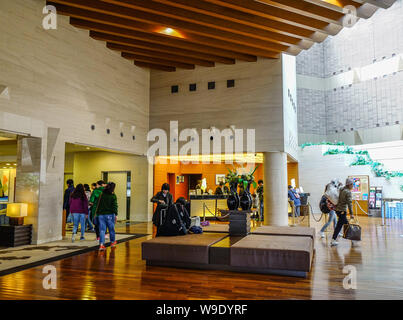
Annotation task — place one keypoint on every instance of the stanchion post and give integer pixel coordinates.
(293, 214)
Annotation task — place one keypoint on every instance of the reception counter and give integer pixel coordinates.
(207, 205)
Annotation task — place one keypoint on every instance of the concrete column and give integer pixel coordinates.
(28, 178)
(275, 189)
(39, 182)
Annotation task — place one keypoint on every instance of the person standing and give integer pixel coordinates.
(259, 191)
(88, 222)
(94, 202)
(107, 211)
(163, 199)
(294, 196)
(219, 190)
(66, 198)
(327, 207)
(345, 202)
(78, 204)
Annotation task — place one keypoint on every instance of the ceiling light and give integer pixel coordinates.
(8, 164)
(169, 32)
(88, 148)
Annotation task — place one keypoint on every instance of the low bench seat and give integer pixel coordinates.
(273, 253)
(286, 231)
(190, 248)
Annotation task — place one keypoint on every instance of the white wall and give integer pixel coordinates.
(316, 170)
(256, 101)
(60, 83)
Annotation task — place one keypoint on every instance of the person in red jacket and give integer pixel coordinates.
(79, 210)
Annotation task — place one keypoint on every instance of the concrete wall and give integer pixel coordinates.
(346, 90)
(316, 170)
(60, 82)
(256, 101)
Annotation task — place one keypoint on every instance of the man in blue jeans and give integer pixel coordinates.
(107, 213)
(294, 196)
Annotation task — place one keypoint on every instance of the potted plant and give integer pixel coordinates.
(246, 180)
(233, 179)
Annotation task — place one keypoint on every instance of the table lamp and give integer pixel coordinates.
(16, 212)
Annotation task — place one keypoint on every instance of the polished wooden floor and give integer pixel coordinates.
(121, 274)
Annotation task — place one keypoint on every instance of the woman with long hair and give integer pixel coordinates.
(79, 210)
(107, 211)
(88, 222)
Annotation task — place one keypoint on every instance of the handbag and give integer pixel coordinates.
(352, 231)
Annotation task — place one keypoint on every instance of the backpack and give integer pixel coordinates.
(172, 224)
(323, 205)
(184, 214)
(333, 190)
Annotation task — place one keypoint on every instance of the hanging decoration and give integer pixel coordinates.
(362, 159)
(308, 144)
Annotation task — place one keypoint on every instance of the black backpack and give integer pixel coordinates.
(184, 213)
(172, 223)
(323, 205)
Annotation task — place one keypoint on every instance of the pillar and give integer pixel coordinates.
(275, 189)
(39, 182)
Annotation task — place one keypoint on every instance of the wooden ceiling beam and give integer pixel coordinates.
(363, 9)
(160, 55)
(175, 17)
(161, 40)
(245, 18)
(158, 48)
(148, 22)
(308, 9)
(162, 62)
(154, 66)
(147, 32)
(264, 10)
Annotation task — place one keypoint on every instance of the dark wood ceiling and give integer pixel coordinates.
(170, 34)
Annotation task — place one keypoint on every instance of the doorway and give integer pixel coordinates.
(122, 179)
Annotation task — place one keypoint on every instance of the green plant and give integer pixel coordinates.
(232, 177)
(248, 178)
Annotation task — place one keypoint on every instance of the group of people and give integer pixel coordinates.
(96, 210)
(339, 211)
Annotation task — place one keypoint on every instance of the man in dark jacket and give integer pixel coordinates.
(163, 199)
(66, 197)
(345, 201)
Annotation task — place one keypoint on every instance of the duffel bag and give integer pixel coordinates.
(352, 231)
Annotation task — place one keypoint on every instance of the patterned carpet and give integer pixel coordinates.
(24, 257)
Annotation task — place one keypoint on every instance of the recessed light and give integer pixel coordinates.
(8, 164)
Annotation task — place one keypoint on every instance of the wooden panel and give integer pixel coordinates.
(158, 48)
(162, 62)
(79, 23)
(231, 29)
(150, 53)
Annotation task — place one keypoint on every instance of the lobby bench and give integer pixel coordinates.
(286, 231)
(290, 255)
(190, 248)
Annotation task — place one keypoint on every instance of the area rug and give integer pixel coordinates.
(25, 257)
